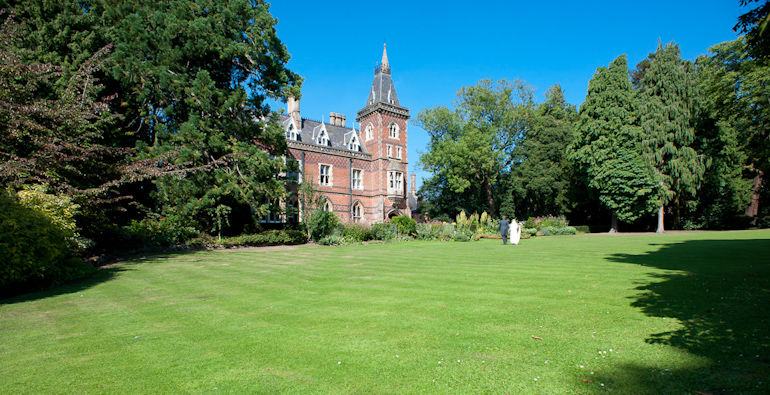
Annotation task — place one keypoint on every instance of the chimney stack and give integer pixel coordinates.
(292, 107)
(336, 119)
(413, 187)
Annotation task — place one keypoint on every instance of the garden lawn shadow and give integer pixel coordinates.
(719, 292)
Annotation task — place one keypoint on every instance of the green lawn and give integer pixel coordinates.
(680, 313)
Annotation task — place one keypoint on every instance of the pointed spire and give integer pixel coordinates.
(385, 64)
(383, 67)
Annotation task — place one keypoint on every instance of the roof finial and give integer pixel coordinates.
(385, 55)
(384, 67)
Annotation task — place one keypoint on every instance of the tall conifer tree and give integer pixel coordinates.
(666, 107)
(606, 146)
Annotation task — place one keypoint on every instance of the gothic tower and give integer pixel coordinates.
(383, 124)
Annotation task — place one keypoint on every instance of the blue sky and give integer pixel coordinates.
(437, 47)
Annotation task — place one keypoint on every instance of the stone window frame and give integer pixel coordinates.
(369, 131)
(325, 179)
(360, 179)
(395, 181)
(394, 130)
(357, 211)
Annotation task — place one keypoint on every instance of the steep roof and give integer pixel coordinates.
(339, 136)
(382, 86)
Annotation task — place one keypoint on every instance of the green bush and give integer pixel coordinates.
(332, 240)
(268, 238)
(583, 229)
(357, 233)
(429, 231)
(156, 231)
(36, 252)
(529, 231)
(549, 231)
(567, 230)
(384, 231)
(406, 225)
(460, 236)
(546, 221)
(321, 224)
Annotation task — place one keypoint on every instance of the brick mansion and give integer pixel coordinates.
(361, 174)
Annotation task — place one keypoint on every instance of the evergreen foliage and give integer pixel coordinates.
(189, 81)
(540, 176)
(606, 146)
(723, 137)
(667, 104)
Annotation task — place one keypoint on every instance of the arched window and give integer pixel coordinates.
(393, 130)
(328, 206)
(292, 209)
(358, 212)
(369, 132)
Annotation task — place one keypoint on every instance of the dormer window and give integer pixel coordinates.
(291, 133)
(353, 144)
(393, 131)
(323, 139)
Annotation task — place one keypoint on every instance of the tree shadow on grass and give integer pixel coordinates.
(104, 274)
(719, 290)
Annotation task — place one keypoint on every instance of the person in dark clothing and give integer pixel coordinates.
(504, 230)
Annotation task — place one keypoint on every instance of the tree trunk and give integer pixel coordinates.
(490, 198)
(753, 208)
(660, 221)
(614, 228)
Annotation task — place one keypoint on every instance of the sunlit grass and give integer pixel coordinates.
(622, 314)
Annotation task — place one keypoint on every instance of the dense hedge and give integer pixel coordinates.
(268, 238)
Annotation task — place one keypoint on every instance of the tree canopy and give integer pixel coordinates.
(607, 145)
(667, 106)
(471, 144)
(188, 83)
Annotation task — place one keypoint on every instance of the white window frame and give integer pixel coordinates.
(291, 133)
(354, 144)
(393, 130)
(327, 206)
(369, 132)
(323, 139)
(395, 181)
(325, 178)
(357, 212)
(398, 152)
(357, 182)
(389, 150)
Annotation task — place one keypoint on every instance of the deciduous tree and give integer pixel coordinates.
(540, 173)
(472, 143)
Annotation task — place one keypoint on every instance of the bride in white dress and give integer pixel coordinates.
(514, 232)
